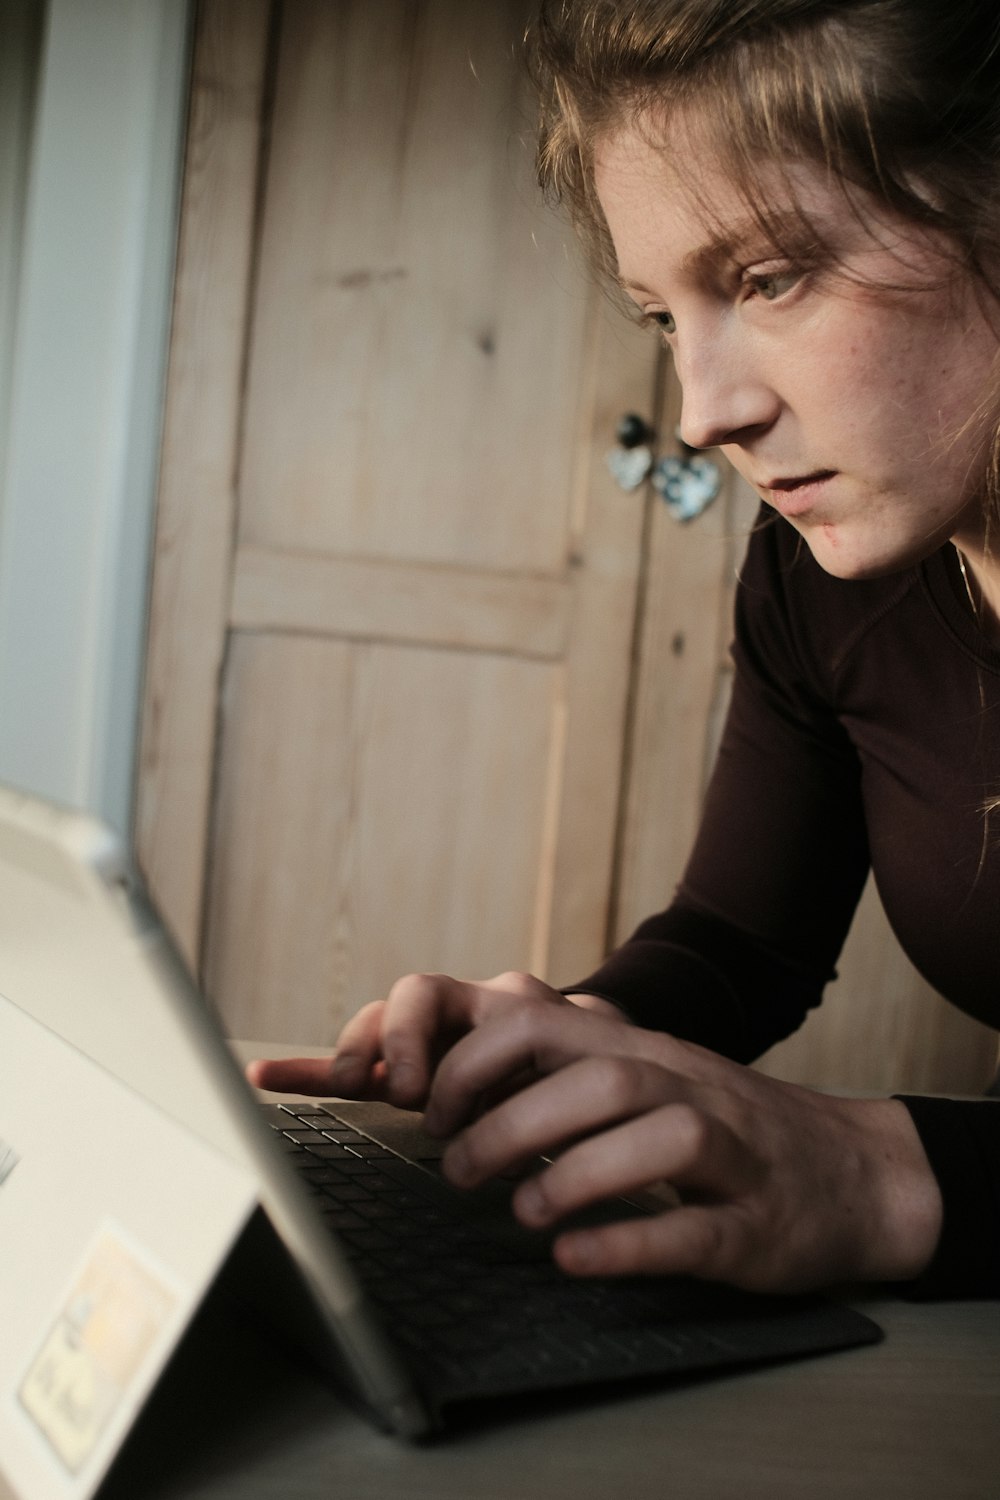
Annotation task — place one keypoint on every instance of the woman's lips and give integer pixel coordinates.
(797, 495)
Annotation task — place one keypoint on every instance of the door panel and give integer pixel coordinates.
(417, 330)
(399, 775)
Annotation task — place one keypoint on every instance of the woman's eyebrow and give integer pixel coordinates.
(728, 247)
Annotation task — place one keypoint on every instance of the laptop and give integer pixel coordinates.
(139, 1172)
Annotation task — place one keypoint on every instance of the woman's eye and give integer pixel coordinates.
(664, 321)
(773, 284)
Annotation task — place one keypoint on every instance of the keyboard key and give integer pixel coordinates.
(349, 1166)
(347, 1192)
(340, 1218)
(375, 1208)
(285, 1143)
(331, 1150)
(367, 1240)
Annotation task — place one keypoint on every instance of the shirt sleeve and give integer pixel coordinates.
(768, 895)
(781, 856)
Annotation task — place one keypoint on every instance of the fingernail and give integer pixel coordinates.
(531, 1204)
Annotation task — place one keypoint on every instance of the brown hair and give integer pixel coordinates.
(900, 98)
(897, 98)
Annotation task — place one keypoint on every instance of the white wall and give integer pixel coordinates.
(83, 395)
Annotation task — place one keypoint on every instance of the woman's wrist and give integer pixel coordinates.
(899, 1232)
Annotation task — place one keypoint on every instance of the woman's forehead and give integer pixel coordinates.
(680, 155)
(666, 180)
(680, 179)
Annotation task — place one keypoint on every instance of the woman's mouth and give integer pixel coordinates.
(797, 494)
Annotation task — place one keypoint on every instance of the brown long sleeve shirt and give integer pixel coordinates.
(864, 732)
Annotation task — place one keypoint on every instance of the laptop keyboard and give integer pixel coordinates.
(484, 1309)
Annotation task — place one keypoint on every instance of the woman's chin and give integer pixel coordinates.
(844, 554)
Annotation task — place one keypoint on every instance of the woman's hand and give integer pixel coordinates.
(781, 1188)
(390, 1048)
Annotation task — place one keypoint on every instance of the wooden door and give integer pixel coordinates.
(425, 690)
(395, 586)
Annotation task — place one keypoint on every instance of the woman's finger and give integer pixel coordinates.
(525, 1039)
(291, 1075)
(390, 1048)
(423, 1015)
(309, 1075)
(589, 1094)
(356, 1061)
(353, 1070)
(678, 1142)
(706, 1241)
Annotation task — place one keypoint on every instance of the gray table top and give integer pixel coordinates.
(916, 1416)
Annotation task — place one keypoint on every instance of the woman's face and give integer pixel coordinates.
(849, 393)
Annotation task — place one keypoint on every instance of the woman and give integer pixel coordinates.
(803, 198)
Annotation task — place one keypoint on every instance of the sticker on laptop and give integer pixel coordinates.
(114, 1313)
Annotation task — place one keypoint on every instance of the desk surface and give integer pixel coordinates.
(916, 1416)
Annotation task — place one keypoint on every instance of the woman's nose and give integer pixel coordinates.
(725, 398)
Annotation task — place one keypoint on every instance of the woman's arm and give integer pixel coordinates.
(781, 856)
